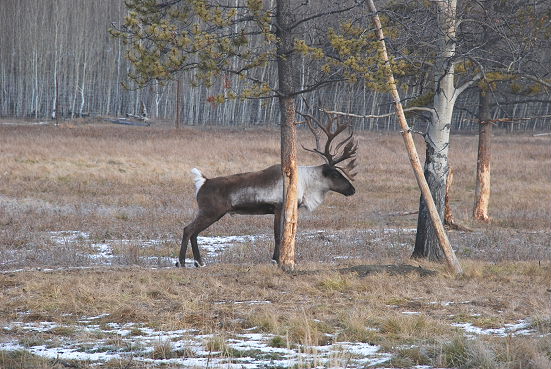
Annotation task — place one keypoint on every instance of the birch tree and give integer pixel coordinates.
(446, 90)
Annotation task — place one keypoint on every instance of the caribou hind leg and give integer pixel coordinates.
(191, 231)
(198, 262)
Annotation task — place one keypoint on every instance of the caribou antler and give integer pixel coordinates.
(332, 129)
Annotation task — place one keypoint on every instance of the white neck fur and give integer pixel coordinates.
(312, 187)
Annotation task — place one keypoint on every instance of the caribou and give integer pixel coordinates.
(261, 192)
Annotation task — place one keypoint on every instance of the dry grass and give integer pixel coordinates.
(315, 307)
(134, 184)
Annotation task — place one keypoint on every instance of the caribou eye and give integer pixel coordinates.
(335, 175)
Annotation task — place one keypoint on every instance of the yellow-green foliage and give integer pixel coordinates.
(422, 100)
(515, 84)
(192, 34)
(359, 55)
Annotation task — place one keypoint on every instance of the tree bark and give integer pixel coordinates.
(437, 137)
(482, 192)
(449, 221)
(442, 238)
(287, 82)
(448, 215)
(290, 182)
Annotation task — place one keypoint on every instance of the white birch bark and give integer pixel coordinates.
(437, 137)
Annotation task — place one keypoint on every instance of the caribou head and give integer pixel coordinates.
(340, 177)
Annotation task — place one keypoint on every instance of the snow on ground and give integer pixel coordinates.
(188, 348)
(521, 328)
(211, 246)
(94, 341)
(214, 245)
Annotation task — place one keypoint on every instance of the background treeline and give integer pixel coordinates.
(62, 48)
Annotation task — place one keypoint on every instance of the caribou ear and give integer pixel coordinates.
(331, 172)
(325, 170)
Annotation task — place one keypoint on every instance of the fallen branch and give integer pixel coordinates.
(127, 122)
(399, 213)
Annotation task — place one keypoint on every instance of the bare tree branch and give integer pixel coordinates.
(413, 108)
(459, 90)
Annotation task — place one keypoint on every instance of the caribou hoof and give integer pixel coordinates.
(198, 265)
(274, 262)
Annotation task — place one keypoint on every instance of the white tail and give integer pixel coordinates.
(199, 179)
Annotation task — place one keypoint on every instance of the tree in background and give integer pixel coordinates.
(513, 39)
(235, 39)
(503, 96)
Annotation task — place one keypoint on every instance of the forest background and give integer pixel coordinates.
(64, 46)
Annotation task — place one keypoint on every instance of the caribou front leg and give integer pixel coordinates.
(277, 234)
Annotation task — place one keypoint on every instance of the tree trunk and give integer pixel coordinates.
(57, 108)
(482, 193)
(448, 215)
(287, 82)
(290, 182)
(436, 173)
(437, 137)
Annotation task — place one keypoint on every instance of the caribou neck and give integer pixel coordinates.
(312, 187)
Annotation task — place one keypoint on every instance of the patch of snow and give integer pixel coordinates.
(25, 123)
(448, 303)
(253, 302)
(34, 327)
(87, 319)
(521, 328)
(211, 245)
(105, 251)
(389, 230)
(342, 257)
(214, 245)
(138, 342)
(67, 237)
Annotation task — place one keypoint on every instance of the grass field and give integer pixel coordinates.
(90, 221)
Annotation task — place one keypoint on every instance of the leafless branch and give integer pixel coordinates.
(509, 120)
(370, 116)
